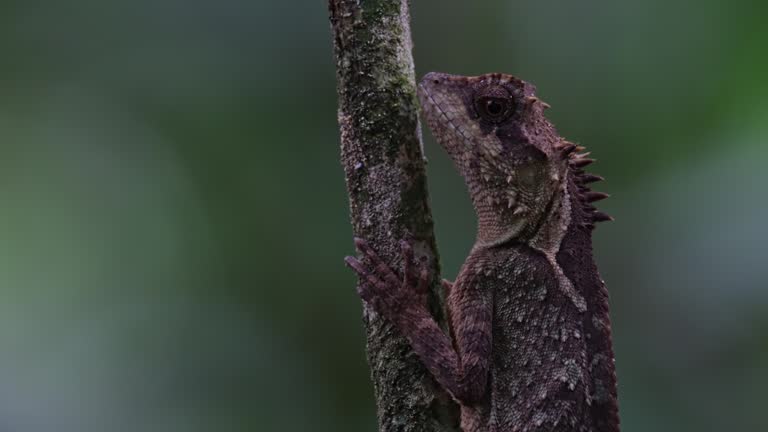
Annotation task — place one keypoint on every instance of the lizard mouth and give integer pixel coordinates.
(456, 140)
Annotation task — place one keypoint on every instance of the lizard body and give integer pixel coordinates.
(530, 345)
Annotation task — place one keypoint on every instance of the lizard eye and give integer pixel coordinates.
(494, 104)
(494, 107)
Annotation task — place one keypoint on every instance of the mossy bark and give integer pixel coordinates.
(384, 165)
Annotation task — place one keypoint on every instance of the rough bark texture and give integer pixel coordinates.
(384, 165)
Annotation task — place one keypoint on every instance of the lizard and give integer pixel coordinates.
(528, 347)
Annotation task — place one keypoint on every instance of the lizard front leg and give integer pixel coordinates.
(402, 300)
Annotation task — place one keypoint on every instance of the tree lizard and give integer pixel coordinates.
(529, 342)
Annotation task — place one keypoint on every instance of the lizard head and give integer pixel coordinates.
(494, 129)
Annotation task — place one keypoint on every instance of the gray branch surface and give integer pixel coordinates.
(384, 165)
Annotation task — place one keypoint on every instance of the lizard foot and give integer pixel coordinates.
(382, 288)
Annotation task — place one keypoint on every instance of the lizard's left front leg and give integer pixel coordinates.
(402, 300)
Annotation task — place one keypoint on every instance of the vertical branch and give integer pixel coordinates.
(381, 151)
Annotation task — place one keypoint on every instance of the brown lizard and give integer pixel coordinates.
(529, 346)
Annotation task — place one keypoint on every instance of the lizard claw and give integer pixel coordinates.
(381, 287)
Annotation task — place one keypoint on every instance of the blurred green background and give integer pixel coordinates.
(174, 213)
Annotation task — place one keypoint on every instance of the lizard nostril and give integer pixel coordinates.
(436, 81)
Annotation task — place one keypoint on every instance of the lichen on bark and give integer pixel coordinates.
(384, 165)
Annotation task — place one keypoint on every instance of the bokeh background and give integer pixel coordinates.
(173, 213)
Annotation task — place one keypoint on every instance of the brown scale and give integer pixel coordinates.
(529, 347)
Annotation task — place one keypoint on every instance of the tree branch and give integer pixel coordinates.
(381, 151)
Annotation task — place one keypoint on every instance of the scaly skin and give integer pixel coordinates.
(531, 344)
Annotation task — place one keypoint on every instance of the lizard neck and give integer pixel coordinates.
(508, 213)
(567, 215)
(548, 239)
